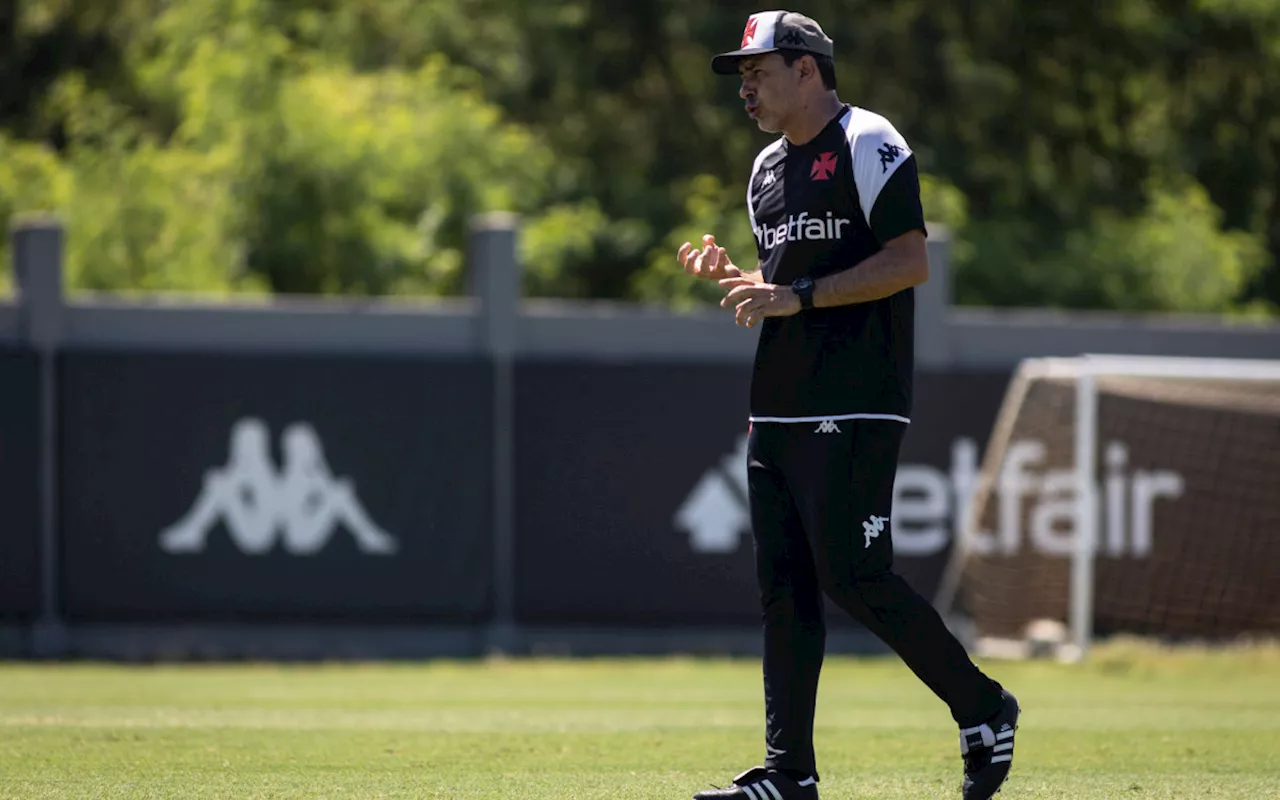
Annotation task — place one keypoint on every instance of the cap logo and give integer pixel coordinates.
(749, 33)
(791, 36)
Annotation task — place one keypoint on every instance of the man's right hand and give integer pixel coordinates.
(710, 262)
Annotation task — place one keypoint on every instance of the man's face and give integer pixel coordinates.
(770, 89)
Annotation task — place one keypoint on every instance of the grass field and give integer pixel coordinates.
(1133, 723)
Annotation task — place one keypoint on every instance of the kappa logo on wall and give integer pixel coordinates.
(299, 506)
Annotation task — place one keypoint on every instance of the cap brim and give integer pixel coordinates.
(727, 63)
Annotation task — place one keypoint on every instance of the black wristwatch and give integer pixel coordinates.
(803, 287)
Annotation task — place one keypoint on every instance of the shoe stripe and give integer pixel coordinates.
(1000, 747)
(1005, 757)
(986, 737)
(768, 784)
(1004, 735)
(807, 782)
(751, 792)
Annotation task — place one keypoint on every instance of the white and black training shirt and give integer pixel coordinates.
(820, 208)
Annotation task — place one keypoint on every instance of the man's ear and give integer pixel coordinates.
(808, 68)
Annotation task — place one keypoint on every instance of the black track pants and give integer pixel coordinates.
(820, 503)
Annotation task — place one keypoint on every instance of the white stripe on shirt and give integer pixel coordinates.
(833, 418)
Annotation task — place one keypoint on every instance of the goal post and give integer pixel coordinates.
(1201, 440)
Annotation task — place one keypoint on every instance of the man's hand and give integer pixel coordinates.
(755, 301)
(709, 263)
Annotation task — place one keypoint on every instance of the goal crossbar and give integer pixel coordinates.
(1236, 369)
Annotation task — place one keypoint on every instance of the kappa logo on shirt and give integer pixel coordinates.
(888, 154)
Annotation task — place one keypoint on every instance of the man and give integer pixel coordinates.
(835, 206)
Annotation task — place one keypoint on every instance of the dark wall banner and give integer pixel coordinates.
(629, 509)
(631, 498)
(208, 487)
(19, 494)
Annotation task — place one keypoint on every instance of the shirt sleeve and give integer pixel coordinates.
(897, 209)
(887, 180)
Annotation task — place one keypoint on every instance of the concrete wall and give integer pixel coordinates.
(8, 322)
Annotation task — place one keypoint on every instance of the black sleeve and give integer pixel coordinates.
(897, 209)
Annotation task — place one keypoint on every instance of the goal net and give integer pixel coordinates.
(1123, 494)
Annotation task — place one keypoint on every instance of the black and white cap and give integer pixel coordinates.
(768, 31)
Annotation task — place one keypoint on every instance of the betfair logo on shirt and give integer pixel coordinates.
(801, 227)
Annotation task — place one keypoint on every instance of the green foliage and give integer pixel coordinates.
(1172, 256)
(709, 207)
(151, 218)
(286, 172)
(334, 147)
(370, 179)
(141, 216)
(560, 249)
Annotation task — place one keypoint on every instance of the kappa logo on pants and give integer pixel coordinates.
(872, 529)
(301, 505)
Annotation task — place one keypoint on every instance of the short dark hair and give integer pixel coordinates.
(826, 67)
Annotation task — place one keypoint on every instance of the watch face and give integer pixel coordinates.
(803, 287)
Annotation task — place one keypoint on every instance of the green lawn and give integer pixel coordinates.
(1133, 723)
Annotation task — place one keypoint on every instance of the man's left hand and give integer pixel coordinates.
(755, 301)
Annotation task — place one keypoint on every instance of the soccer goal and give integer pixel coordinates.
(1124, 495)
